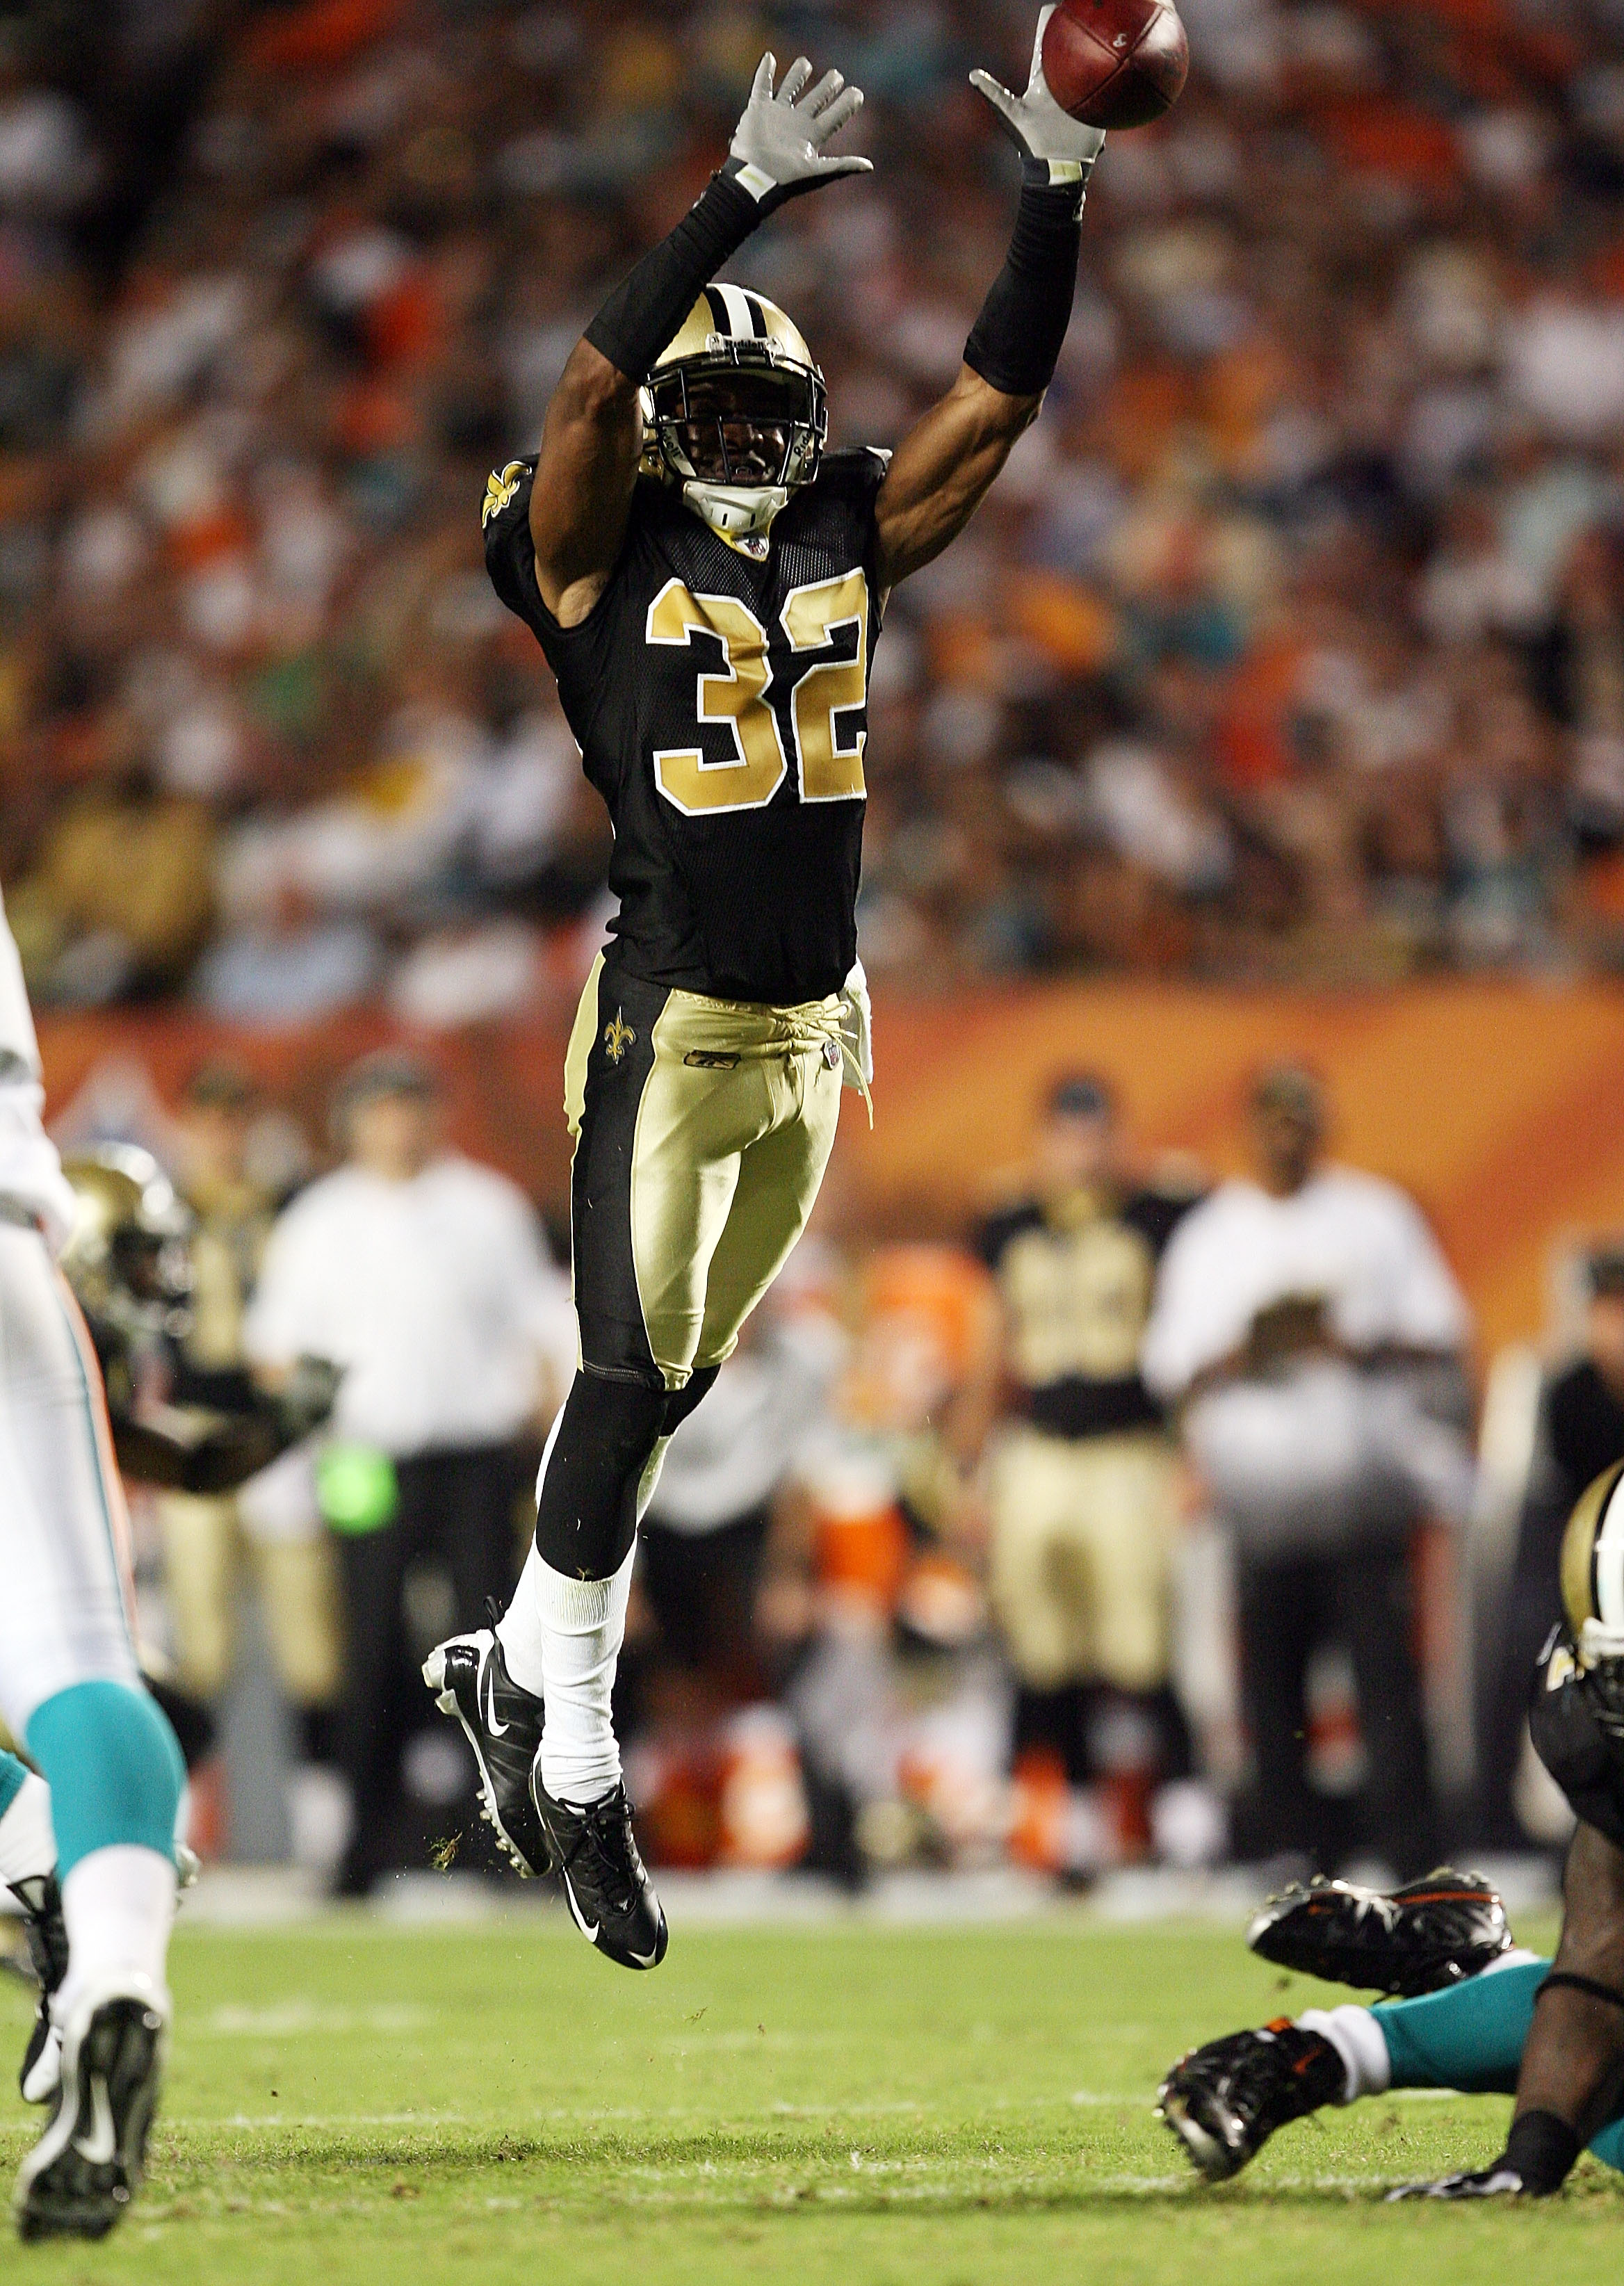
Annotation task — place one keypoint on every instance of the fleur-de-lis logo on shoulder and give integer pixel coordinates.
(618, 1037)
(500, 487)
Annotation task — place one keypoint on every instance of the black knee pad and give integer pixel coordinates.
(681, 1402)
(586, 1514)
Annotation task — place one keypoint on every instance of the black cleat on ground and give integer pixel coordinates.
(46, 1932)
(1225, 2100)
(87, 2166)
(610, 1895)
(502, 1723)
(1435, 1932)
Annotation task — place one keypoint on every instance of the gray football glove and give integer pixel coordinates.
(308, 1395)
(778, 147)
(1036, 124)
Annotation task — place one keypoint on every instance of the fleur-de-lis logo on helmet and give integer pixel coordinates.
(618, 1037)
(500, 487)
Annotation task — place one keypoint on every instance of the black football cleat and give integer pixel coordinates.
(87, 2166)
(610, 1897)
(46, 1932)
(1435, 1932)
(1225, 2100)
(502, 1724)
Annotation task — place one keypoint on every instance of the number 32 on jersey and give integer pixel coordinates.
(735, 695)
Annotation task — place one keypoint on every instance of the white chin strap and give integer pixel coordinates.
(1598, 1642)
(735, 511)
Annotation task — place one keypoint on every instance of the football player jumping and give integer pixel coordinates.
(707, 584)
(1483, 2016)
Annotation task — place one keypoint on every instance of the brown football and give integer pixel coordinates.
(1115, 63)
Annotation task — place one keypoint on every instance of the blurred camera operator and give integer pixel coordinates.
(703, 1536)
(1302, 1321)
(424, 1276)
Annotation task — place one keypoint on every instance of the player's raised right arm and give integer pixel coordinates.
(593, 436)
(585, 472)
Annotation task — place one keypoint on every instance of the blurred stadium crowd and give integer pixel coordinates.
(1291, 643)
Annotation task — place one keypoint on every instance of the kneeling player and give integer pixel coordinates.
(707, 584)
(1500, 2020)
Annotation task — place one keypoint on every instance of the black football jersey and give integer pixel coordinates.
(1077, 1294)
(1586, 1763)
(720, 708)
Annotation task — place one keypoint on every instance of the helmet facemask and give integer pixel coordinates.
(738, 427)
(1601, 1657)
(1593, 1595)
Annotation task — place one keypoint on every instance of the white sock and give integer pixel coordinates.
(27, 1841)
(583, 1623)
(519, 1629)
(119, 1904)
(1357, 2037)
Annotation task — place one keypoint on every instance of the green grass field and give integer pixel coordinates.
(351, 2101)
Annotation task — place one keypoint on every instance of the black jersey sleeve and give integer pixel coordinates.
(579, 656)
(510, 553)
(1585, 1761)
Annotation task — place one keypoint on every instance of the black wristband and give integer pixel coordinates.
(1541, 2148)
(647, 308)
(1016, 343)
(1563, 1980)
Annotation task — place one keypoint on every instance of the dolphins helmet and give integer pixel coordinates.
(1593, 1591)
(735, 413)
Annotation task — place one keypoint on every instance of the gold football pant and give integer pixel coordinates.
(1082, 1555)
(702, 1129)
(204, 1550)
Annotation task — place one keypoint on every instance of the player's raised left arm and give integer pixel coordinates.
(949, 459)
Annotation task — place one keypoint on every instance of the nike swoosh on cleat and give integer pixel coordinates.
(100, 2146)
(644, 1960)
(497, 1730)
(591, 1935)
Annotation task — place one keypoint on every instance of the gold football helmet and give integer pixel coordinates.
(1593, 1590)
(128, 1258)
(735, 413)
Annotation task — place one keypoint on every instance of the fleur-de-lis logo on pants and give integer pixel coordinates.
(618, 1037)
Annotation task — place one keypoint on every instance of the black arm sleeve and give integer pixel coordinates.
(1541, 2148)
(646, 308)
(223, 1458)
(1016, 343)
